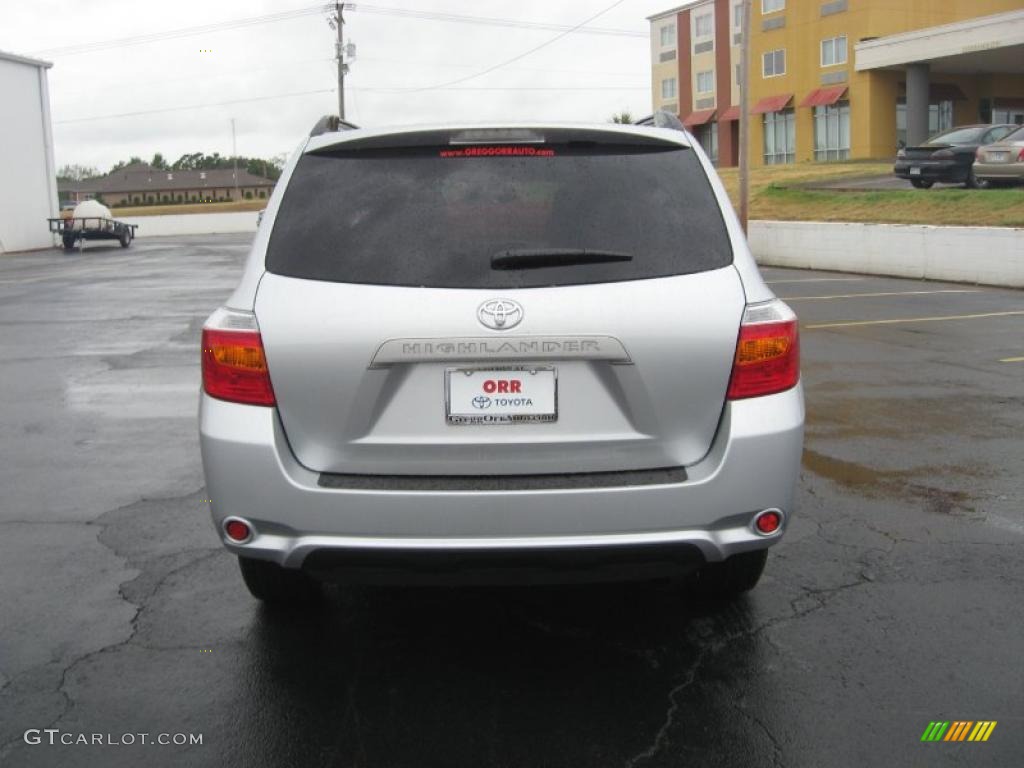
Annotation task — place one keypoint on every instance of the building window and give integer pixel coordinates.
(771, 6)
(739, 71)
(668, 88)
(940, 118)
(773, 63)
(737, 16)
(1008, 115)
(706, 81)
(833, 51)
(668, 36)
(832, 132)
(703, 26)
(707, 135)
(779, 137)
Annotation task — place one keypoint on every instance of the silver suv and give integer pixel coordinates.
(525, 352)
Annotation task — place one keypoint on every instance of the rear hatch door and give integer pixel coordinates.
(565, 304)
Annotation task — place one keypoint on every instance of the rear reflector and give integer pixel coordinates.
(767, 352)
(237, 530)
(768, 522)
(234, 365)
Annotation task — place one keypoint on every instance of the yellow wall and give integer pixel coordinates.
(872, 95)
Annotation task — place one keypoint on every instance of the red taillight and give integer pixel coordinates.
(235, 367)
(767, 359)
(1020, 155)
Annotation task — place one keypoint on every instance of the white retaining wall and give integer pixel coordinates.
(986, 255)
(193, 223)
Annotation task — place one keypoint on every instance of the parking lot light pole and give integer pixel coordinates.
(744, 137)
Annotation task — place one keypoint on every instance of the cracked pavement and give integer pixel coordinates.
(895, 598)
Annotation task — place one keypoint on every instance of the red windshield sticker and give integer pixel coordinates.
(513, 151)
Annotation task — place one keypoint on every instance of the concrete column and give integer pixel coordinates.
(917, 104)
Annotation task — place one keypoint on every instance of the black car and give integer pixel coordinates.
(948, 156)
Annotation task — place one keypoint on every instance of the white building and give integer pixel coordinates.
(28, 176)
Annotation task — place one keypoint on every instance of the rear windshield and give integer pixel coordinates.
(438, 216)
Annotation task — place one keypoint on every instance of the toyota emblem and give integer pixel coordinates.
(500, 314)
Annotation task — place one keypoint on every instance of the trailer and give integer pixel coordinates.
(77, 229)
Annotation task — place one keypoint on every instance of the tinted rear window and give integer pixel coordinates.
(435, 216)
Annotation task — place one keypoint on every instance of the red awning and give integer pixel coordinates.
(771, 103)
(699, 117)
(823, 97)
(732, 113)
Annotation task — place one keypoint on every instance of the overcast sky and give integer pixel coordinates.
(594, 74)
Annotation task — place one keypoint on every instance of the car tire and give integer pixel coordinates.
(126, 237)
(921, 184)
(278, 586)
(69, 243)
(973, 182)
(731, 577)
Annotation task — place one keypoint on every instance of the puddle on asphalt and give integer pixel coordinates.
(893, 482)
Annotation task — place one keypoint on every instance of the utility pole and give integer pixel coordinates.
(744, 113)
(339, 24)
(234, 157)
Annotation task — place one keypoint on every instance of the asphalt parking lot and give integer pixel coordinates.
(896, 599)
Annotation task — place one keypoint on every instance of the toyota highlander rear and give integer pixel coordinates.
(525, 350)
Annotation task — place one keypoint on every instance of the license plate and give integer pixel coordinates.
(513, 395)
(998, 157)
(915, 171)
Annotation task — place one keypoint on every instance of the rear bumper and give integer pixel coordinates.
(1000, 171)
(930, 170)
(252, 474)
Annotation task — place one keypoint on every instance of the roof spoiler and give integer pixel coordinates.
(662, 119)
(331, 124)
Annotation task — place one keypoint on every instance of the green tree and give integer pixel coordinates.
(623, 117)
(159, 162)
(76, 172)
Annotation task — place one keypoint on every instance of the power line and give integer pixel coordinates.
(546, 70)
(474, 89)
(522, 88)
(170, 34)
(491, 21)
(192, 106)
(522, 55)
(361, 8)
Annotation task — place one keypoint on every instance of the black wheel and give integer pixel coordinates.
(731, 577)
(277, 586)
(921, 183)
(973, 182)
(69, 243)
(126, 237)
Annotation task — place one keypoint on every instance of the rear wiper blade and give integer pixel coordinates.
(554, 257)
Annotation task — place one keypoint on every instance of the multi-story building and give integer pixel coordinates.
(837, 79)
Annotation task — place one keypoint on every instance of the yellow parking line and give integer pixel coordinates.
(886, 293)
(912, 320)
(1012, 360)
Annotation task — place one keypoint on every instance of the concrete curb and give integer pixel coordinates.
(977, 255)
(193, 223)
